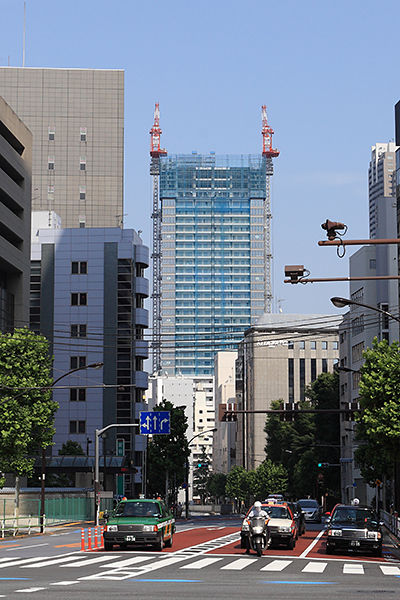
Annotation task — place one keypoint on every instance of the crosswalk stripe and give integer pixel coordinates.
(200, 564)
(126, 563)
(276, 565)
(354, 569)
(64, 583)
(314, 567)
(9, 559)
(29, 590)
(91, 561)
(49, 563)
(389, 570)
(239, 564)
(16, 563)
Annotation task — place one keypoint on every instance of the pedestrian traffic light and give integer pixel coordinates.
(323, 465)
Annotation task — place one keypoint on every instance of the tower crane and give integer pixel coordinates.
(269, 154)
(155, 152)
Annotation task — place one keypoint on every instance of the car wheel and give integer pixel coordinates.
(168, 543)
(329, 549)
(158, 547)
(108, 546)
(377, 552)
(242, 542)
(290, 544)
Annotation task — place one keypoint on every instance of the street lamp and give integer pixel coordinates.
(97, 365)
(187, 468)
(342, 302)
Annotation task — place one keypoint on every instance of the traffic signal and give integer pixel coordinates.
(323, 465)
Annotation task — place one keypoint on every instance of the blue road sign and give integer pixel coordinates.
(155, 422)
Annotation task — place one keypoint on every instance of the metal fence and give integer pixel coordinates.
(392, 522)
(57, 510)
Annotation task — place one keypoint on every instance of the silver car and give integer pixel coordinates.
(311, 510)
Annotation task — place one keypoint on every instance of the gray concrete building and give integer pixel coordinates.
(76, 117)
(88, 288)
(15, 218)
(278, 357)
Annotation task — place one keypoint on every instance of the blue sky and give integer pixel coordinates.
(327, 72)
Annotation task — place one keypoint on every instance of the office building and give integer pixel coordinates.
(15, 219)
(278, 358)
(212, 249)
(88, 288)
(76, 117)
(224, 443)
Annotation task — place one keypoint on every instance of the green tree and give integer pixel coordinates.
(380, 397)
(216, 484)
(269, 478)
(27, 409)
(373, 460)
(167, 455)
(238, 484)
(201, 473)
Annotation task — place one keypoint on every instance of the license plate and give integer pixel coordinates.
(354, 543)
(130, 538)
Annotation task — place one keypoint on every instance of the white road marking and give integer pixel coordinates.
(120, 574)
(49, 563)
(29, 590)
(200, 564)
(126, 563)
(389, 570)
(26, 547)
(91, 561)
(239, 564)
(64, 583)
(276, 565)
(21, 561)
(313, 543)
(9, 559)
(353, 569)
(314, 567)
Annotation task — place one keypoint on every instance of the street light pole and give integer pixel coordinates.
(98, 433)
(97, 365)
(187, 468)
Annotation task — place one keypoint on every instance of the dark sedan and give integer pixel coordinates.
(353, 528)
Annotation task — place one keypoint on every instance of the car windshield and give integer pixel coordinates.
(136, 509)
(360, 516)
(308, 503)
(278, 512)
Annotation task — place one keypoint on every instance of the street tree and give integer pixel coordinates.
(167, 454)
(26, 406)
(238, 484)
(269, 478)
(216, 484)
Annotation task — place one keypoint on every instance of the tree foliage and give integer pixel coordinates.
(216, 484)
(258, 483)
(167, 454)
(27, 409)
(379, 387)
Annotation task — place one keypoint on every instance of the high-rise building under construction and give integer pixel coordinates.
(212, 256)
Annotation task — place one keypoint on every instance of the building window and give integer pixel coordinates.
(313, 369)
(77, 395)
(357, 325)
(324, 365)
(83, 134)
(52, 134)
(342, 337)
(82, 192)
(79, 268)
(384, 318)
(302, 345)
(50, 163)
(357, 351)
(290, 345)
(356, 379)
(77, 362)
(372, 263)
(82, 221)
(324, 345)
(77, 426)
(335, 346)
(291, 379)
(79, 299)
(313, 345)
(82, 163)
(302, 379)
(78, 331)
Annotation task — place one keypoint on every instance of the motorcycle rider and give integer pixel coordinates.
(256, 511)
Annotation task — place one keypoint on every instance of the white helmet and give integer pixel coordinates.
(257, 505)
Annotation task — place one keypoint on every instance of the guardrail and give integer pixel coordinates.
(30, 524)
(392, 522)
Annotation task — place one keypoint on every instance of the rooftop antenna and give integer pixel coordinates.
(23, 45)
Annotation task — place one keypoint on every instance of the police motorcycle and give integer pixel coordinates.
(258, 536)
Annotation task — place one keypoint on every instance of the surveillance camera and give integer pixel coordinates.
(331, 228)
(294, 272)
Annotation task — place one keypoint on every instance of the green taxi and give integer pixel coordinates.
(139, 522)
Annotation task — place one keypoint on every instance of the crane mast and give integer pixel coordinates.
(269, 154)
(155, 152)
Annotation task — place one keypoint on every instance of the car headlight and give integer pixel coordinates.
(148, 527)
(112, 527)
(285, 529)
(335, 532)
(374, 535)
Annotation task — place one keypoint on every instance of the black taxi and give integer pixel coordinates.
(139, 522)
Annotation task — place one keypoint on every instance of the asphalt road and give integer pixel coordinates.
(205, 562)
